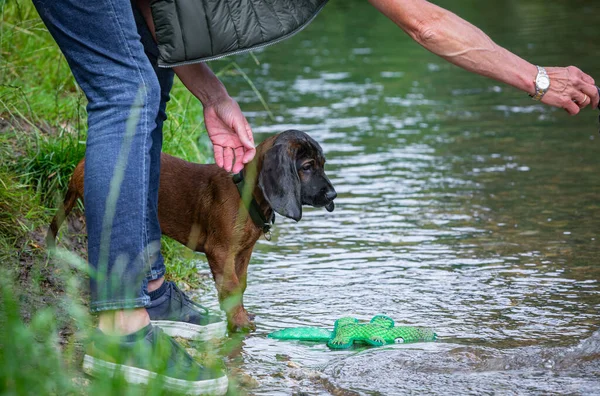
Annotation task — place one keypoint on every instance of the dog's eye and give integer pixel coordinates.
(307, 166)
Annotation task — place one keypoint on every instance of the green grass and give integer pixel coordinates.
(42, 137)
(19, 211)
(36, 84)
(49, 163)
(29, 361)
(32, 290)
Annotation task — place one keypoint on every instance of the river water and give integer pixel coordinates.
(462, 206)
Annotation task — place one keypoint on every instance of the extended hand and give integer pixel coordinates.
(570, 89)
(230, 134)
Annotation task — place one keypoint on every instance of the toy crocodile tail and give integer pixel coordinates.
(302, 334)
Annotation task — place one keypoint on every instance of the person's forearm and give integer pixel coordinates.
(201, 82)
(197, 77)
(459, 42)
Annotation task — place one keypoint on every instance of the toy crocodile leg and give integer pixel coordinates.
(302, 334)
(340, 342)
(375, 341)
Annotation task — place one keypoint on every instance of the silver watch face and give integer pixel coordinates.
(543, 82)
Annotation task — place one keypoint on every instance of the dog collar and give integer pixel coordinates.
(253, 208)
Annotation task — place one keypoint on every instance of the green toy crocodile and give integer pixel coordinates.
(347, 331)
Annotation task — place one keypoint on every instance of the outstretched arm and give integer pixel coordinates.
(226, 126)
(459, 42)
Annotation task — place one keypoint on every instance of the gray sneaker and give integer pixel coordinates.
(150, 355)
(173, 311)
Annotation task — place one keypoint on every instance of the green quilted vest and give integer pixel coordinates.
(191, 31)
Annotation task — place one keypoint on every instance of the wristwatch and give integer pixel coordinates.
(542, 83)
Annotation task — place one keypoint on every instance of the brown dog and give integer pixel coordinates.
(201, 207)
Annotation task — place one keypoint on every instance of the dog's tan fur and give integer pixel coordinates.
(200, 207)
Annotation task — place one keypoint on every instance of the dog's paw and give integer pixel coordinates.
(241, 326)
(241, 322)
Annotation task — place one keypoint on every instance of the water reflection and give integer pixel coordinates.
(462, 206)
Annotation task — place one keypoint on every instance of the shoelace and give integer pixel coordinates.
(174, 289)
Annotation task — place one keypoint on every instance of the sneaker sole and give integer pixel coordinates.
(192, 331)
(134, 375)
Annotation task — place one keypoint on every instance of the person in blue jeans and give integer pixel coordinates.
(110, 49)
(113, 57)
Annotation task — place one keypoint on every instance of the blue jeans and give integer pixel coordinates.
(113, 59)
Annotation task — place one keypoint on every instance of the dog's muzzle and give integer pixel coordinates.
(330, 195)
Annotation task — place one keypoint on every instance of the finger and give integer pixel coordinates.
(582, 100)
(227, 158)
(218, 156)
(588, 79)
(237, 168)
(571, 107)
(240, 130)
(588, 86)
(239, 155)
(249, 153)
(592, 92)
(248, 156)
(249, 131)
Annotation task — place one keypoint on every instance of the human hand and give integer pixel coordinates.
(229, 133)
(570, 89)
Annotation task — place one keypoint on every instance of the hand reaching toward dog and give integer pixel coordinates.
(229, 133)
(227, 127)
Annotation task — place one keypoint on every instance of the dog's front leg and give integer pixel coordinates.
(241, 270)
(230, 291)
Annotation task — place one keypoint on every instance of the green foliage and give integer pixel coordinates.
(30, 361)
(42, 102)
(38, 90)
(183, 132)
(43, 122)
(16, 206)
(35, 360)
(49, 163)
(181, 263)
(36, 84)
(46, 108)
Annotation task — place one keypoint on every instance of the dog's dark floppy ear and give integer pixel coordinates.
(280, 183)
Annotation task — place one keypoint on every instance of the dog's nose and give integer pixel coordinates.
(330, 195)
